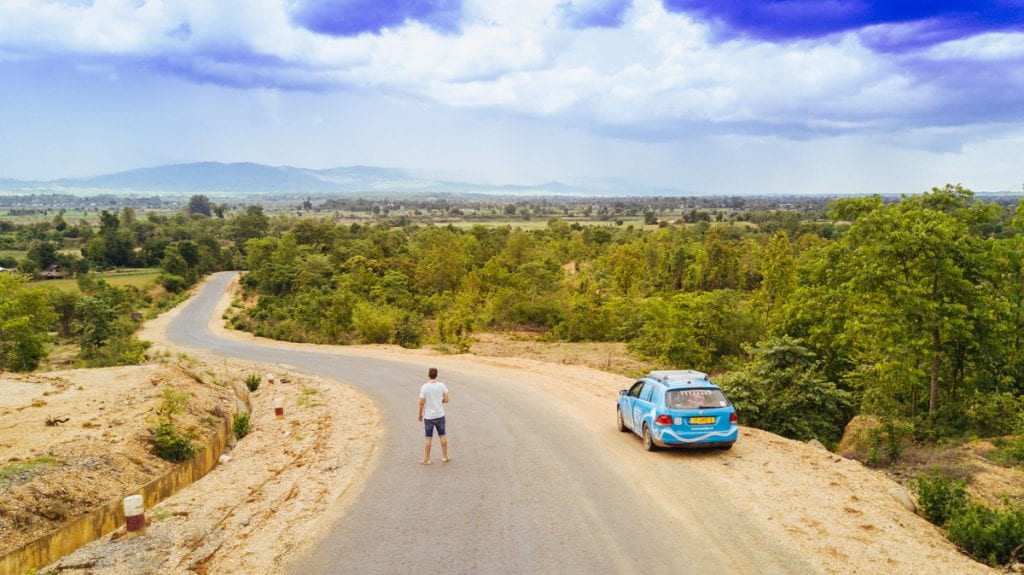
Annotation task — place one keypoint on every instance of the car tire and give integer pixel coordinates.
(648, 439)
(618, 419)
(725, 447)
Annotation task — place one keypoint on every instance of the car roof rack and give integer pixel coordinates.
(667, 375)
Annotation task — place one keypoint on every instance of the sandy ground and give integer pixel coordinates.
(284, 482)
(97, 446)
(291, 477)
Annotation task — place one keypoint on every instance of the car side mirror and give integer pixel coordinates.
(622, 392)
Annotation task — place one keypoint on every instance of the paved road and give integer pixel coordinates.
(527, 490)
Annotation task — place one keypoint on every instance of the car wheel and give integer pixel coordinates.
(618, 419)
(725, 447)
(648, 440)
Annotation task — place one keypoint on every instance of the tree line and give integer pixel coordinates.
(909, 308)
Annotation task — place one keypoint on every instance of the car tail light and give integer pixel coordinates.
(733, 418)
(664, 419)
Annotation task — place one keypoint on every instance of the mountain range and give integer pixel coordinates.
(251, 178)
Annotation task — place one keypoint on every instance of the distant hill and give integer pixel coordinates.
(250, 178)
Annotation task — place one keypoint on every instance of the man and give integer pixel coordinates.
(433, 396)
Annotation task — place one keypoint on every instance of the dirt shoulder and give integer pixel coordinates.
(286, 480)
(73, 440)
(284, 483)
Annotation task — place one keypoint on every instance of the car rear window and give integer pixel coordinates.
(695, 399)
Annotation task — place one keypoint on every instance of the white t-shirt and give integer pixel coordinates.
(433, 391)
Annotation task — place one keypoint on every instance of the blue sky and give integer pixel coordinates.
(710, 96)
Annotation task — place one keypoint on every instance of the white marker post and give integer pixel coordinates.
(270, 378)
(278, 407)
(135, 514)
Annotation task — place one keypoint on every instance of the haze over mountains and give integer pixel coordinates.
(251, 178)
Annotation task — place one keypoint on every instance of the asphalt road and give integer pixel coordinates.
(529, 489)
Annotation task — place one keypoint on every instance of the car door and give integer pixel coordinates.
(643, 406)
(630, 400)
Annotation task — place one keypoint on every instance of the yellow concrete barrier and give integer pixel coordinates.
(109, 516)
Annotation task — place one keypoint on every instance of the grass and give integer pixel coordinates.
(139, 278)
(1009, 451)
(9, 471)
(307, 399)
(16, 254)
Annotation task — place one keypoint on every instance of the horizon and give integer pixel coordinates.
(614, 188)
(711, 98)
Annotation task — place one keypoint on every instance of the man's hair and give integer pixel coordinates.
(432, 373)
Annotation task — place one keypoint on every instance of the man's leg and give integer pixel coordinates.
(443, 438)
(428, 428)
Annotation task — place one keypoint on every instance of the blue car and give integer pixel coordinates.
(679, 408)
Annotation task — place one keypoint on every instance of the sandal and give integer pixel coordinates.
(445, 460)
(424, 462)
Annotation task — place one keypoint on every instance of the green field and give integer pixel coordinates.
(139, 278)
(16, 254)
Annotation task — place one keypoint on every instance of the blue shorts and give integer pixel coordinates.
(430, 424)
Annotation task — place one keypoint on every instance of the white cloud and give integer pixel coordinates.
(994, 46)
(658, 68)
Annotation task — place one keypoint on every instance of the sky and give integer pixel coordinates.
(707, 96)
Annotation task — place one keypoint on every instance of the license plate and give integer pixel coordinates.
(702, 420)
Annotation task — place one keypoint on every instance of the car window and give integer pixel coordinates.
(635, 390)
(647, 392)
(695, 399)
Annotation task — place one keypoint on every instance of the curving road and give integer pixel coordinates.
(530, 489)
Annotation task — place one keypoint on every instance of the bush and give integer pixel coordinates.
(409, 332)
(172, 283)
(172, 402)
(781, 390)
(1009, 451)
(119, 351)
(992, 414)
(252, 381)
(990, 535)
(941, 497)
(240, 424)
(885, 442)
(171, 444)
(375, 323)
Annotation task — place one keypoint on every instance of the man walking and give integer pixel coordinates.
(433, 396)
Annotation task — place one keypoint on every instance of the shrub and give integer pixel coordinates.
(240, 424)
(1009, 451)
(409, 331)
(172, 283)
(992, 414)
(375, 323)
(941, 497)
(782, 390)
(172, 402)
(990, 535)
(885, 442)
(252, 381)
(171, 444)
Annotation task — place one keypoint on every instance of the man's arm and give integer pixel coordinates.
(423, 402)
(445, 398)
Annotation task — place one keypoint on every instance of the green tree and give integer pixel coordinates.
(44, 254)
(199, 205)
(251, 224)
(26, 315)
(782, 391)
(914, 272)
(778, 272)
(95, 325)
